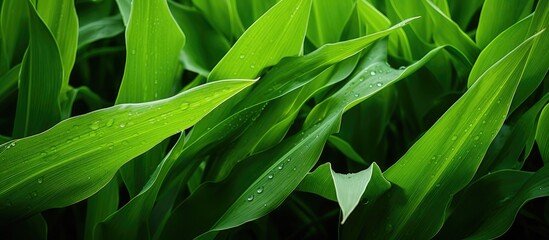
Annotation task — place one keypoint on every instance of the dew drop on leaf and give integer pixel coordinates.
(184, 106)
(94, 125)
(259, 190)
(250, 198)
(110, 122)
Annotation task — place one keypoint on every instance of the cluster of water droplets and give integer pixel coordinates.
(269, 177)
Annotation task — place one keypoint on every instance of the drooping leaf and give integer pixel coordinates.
(348, 190)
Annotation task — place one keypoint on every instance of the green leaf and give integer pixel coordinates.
(542, 134)
(153, 43)
(40, 82)
(495, 201)
(14, 25)
(60, 17)
(278, 33)
(537, 64)
(204, 46)
(512, 147)
(496, 16)
(222, 15)
(328, 19)
(229, 121)
(9, 82)
(347, 189)
(103, 28)
(100, 206)
(346, 148)
(261, 182)
(46, 171)
(444, 159)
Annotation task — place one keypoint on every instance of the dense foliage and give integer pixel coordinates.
(274, 119)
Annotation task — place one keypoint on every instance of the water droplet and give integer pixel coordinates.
(250, 198)
(356, 95)
(361, 79)
(43, 153)
(89, 177)
(40, 180)
(476, 138)
(371, 85)
(271, 176)
(379, 84)
(454, 137)
(110, 122)
(281, 167)
(437, 185)
(252, 66)
(288, 160)
(94, 125)
(259, 190)
(295, 168)
(122, 125)
(373, 73)
(401, 68)
(242, 56)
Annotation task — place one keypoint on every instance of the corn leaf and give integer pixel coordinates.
(38, 112)
(445, 159)
(495, 199)
(152, 67)
(496, 16)
(265, 43)
(261, 182)
(46, 171)
(348, 190)
(542, 134)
